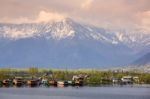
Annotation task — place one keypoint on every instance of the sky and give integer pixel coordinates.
(113, 14)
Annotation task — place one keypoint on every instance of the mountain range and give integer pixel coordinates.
(69, 44)
(144, 60)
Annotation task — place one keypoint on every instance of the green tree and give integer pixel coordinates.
(33, 71)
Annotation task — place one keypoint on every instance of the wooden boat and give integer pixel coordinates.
(32, 82)
(71, 83)
(79, 79)
(62, 83)
(18, 81)
(6, 82)
(79, 83)
(127, 80)
(53, 82)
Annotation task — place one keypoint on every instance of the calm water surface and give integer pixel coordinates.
(76, 93)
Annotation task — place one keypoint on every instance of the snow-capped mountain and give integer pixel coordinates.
(67, 28)
(68, 43)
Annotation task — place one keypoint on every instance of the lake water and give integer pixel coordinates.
(76, 93)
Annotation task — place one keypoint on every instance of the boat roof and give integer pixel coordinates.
(127, 77)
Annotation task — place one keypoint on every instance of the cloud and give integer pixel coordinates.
(43, 16)
(87, 4)
(115, 14)
(16, 20)
(144, 18)
(47, 16)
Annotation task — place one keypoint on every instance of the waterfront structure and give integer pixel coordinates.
(127, 80)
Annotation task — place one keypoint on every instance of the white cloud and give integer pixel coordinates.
(115, 14)
(144, 20)
(15, 20)
(47, 16)
(87, 4)
(43, 16)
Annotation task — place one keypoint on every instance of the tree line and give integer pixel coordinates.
(94, 76)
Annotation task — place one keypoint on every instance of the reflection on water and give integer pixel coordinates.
(75, 93)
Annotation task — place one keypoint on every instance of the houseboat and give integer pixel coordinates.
(53, 82)
(44, 82)
(78, 80)
(71, 83)
(116, 80)
(136, 80)
(62, 83)
(6, 82)
(32, 82)
(18, 81)
(127, 80)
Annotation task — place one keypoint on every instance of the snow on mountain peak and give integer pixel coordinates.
(67, 28)
(62, 29)
(56, 29)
